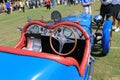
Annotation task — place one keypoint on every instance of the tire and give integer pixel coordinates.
(106, 38)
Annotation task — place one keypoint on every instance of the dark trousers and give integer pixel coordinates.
(105, 11)
(8, 10)
(116, 11)
(48, 6)
(23, 9)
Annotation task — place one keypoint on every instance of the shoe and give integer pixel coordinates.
(118, 29)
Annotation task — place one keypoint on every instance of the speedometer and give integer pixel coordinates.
(67, 32)
(35, 29)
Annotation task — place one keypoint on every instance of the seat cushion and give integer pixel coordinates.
(33, 44)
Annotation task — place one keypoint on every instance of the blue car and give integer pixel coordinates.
(58, 50)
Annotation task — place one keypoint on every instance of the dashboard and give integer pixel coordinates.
(61, 31)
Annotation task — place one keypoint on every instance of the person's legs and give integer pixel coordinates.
(114, 23)
(8, 10)
(23, 9)
(119, 23)
(108, 16)
(90, 10)
(108, 11)
(118, 28)
(20, 9)
(118, 16)
(102, 12)
(86, 10)
(49, 6)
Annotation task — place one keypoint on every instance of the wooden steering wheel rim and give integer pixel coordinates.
(75, 42)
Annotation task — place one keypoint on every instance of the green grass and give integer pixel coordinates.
(106, 68)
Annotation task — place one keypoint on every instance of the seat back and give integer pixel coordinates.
(33, 43)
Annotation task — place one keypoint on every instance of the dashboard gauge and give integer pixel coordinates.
(67, 32)
(35, 29)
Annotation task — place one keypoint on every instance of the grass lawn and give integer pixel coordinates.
(106, 68)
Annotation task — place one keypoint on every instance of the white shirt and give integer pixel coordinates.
(20, 4)
(105, 2)
(115, 2)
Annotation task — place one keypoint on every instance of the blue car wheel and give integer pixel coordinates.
(106, 38)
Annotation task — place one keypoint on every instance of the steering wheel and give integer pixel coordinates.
(62, 40)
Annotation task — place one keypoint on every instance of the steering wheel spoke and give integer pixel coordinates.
(70, 41)
(61, 47)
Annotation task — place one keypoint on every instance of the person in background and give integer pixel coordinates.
(105, 9)
(86, 6)
(116, 14)
(20, 6)
(8, 7)
(48, 6)
(23, 5)
(11, 7)
(53, 3)
(27, 4)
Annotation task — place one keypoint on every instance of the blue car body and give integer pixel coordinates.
(15, 67)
